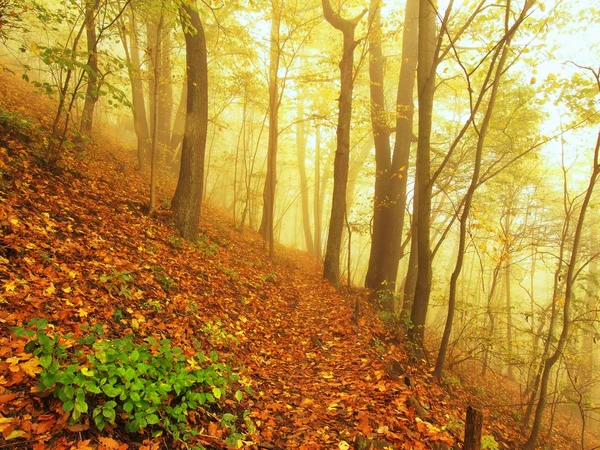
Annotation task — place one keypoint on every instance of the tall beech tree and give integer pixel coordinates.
(331, 266)
(187, 201)
(389, 202)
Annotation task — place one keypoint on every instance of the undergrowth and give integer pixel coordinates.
(147, 387)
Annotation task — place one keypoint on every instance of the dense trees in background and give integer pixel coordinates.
(470, 218)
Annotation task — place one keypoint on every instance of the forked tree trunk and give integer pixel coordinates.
(391, 169)
(331, 266)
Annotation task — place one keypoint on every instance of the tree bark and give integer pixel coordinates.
(317, 196)
(331, 266)
(267, 223)
(187, 201)
(426, 86)
(140, 118)
(301, 157)
(473, 428)
(391, 169)
(91, 94)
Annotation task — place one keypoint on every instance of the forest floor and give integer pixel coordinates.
(77, 249)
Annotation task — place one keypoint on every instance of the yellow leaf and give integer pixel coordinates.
(14, 221)
(82, 312)
(31, 367)
(5, 423)
(10, 286)
(16, 434)
(67, 290)
(51, 289)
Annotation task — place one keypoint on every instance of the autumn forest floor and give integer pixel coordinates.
(77, 249)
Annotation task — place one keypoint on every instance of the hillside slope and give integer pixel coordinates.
(77, 249)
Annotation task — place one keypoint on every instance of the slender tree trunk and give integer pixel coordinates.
(331, 266)
(140, 119)
(570, 280)
(91, 94)
(426, 86)
(301, 157)
(404, 137)
(507, 274)
(157, 59)
(498, 68)
(187, 201)
(165, 99)
(267, 223)
(317, 196)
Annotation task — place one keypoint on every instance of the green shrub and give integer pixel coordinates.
(166, 282)
(488, 442)
(205, 246)
(176, 242)
(149, 386)
(118, 282)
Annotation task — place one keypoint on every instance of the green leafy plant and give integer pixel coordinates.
(118, 282)
(379, 347)
(205, 246)
(390, 320)
(147, 386)
(16, 124)
(217, 335)
(488, 442)
(166, 282)
(232, 274)
(176, 242)
(269, 277)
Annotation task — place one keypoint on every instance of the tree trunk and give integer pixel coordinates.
(317, 196)
(570, 281)
(267, 223)
(187, 201)
(157, 59)
(426, 86)
(331, 266)
(391, 175)
(91, 94)
(497, 69)
(301, 156)
(404, 137)
(179, 123)
(165, 99)
(375, 278)
(509, 346)
(140, 119)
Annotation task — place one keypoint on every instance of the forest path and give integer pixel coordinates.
(321, 379)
